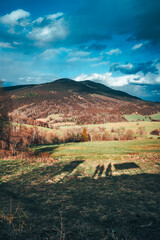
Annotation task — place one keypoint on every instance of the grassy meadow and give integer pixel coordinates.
(137, 117)
(88, 190)
(147, 125)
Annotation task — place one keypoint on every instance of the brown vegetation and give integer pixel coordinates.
(65, 102)
(5, 107)
(155, 132)
(75, 102)
(85, 136)
(141, 131)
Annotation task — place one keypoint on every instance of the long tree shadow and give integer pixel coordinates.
(68, 169)
(86, 211)
(8, 168)
(50, 172)
(49, 149)
(72, 165)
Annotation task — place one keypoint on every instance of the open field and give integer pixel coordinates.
(149, 127)
(132, 125)
(97, 150)
(91, 190)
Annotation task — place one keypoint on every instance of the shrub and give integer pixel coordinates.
(141, 131)
(71, 135)
(107, 136)
(85, 136)
(120, 133)
(155, 132)
(97, 137)
(112, 130)
(129, 135)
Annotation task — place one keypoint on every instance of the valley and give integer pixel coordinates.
(78, 161)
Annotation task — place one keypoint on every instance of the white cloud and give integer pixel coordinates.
(123, 68)
(99, 64)
(54, 16)
(74, 59)
(116, 51)
(43, 30)
(53, 30)
(151, 78)
(50, 53)
(91, 59)
(17, 43)
(14, 17)
(105, 78)
(53, 52)
(38, 78)
(38, 20)
(137, 46)
(75, 53)
(94, 77)
(127, 66)
(125, 80)
(5, 45)
(119, 81)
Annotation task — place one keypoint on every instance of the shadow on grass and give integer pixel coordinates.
(126, 165)
(109, 170)
(96, 170)
(49, 149)
(9, 167)
(99, 171)
(119, 207)
(72, 165)
(47, 173)
(101, 168)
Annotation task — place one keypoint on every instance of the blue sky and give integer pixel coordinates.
(113, 42)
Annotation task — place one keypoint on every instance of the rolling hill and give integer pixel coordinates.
(71, 102)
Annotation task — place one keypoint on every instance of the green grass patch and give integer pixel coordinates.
(156, 116)
(137, 117)
(104, 147)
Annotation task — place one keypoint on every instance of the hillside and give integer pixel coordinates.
(71, 102)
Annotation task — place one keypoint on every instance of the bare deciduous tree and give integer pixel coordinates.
(5, 105)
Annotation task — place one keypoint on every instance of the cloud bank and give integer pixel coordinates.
(15, 17)
(43, 30)
(148, 67)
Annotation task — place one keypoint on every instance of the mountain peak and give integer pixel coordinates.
(80, 101)
(64, 80)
